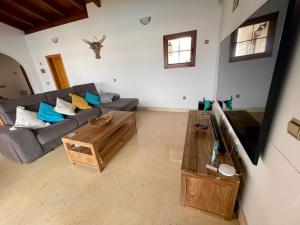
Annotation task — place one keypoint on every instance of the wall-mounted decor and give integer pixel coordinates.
(207, 105)
(145, 20)
(294, 128)
(228, 104)
(54, 40)
(235, 4)
(96, 45)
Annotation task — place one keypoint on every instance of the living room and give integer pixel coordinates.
(146, 158)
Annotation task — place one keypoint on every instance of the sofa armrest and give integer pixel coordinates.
(19, 145)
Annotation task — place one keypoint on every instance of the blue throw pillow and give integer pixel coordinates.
(47, 113)
(92, 98)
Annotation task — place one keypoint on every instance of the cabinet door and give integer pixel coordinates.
(210, 194)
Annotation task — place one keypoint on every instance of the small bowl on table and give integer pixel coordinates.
(100, 121)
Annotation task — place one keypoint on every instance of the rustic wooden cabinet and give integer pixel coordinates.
(200, 187)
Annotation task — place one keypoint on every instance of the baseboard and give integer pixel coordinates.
(242, 217)
(158, 109)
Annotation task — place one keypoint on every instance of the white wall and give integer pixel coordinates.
(250, 79)
(12, 77)
(12, 43)
(133, 53)
(272, 194)
(230, 21)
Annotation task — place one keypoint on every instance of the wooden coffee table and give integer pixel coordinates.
(95, 146)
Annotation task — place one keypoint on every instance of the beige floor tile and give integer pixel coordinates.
(143, 196)
(86, 209)
(140, 185)
(118, 216)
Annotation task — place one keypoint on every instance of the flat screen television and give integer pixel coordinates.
(251, 73)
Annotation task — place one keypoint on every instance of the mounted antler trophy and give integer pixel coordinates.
(96, 45)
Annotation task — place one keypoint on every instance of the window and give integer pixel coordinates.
(254, 39)
(180, 49)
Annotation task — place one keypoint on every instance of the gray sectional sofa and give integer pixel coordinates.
(24, 145)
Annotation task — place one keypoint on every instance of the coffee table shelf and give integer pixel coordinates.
(96, 146)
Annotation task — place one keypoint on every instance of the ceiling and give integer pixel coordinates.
(35, 15)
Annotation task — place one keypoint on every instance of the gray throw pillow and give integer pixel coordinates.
(106, 98)
(109, 97)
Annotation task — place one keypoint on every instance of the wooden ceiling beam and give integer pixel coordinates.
(11, 22)
(31, 9)
(55, 7)
(11, 9)
(96, 2)
(16, 18)
(35, 15)
(57, 23)
(77, 3)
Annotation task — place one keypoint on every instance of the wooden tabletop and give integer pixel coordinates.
(198, 147)
(90, 134)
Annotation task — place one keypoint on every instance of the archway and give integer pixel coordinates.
(14, 81)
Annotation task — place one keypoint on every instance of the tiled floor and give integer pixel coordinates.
(139, 186)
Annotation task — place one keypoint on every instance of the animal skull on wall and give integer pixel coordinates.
(95, 45)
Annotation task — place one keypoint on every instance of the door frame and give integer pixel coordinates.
(27, 80)
(63, 66)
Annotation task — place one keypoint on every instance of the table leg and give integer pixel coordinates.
(67, 151)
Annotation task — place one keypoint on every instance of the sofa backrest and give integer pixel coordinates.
(8, 107)
(32, 102)
(62, 94)
(81, 89)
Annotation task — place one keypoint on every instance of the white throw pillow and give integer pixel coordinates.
(28, 119)
(64, 107)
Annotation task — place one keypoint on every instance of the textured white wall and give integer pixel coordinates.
(133, 53)
(232, 20)
(12, 43)
(12, 77)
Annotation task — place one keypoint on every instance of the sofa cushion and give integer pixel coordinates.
(28, 119)
(108, 97)
(50, 137)
(64, 107)
(81, 89)
(79, 102)
(47, 113)
(122, 104)
(92, 98)
(83, 115)
(8, 107)
(62, 94)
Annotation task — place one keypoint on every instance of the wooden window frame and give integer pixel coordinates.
(166, 38)
(272, 17)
